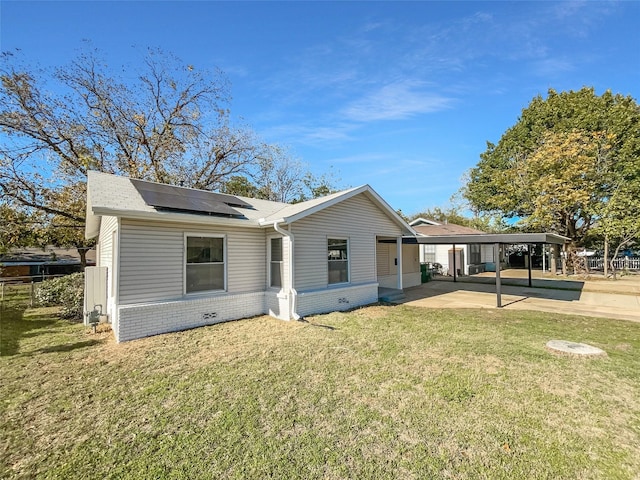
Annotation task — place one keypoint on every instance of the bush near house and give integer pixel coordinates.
(67, 292)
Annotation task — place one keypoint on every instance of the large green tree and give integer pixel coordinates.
(160, 120)
(561, 162)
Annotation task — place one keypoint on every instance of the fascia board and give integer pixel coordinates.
(488, 238)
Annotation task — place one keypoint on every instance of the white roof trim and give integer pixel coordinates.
(424, 221)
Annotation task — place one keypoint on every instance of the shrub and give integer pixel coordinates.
(67, 291)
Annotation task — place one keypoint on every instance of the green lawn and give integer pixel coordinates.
(380, 392)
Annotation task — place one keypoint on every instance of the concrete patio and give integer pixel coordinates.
(591, 297)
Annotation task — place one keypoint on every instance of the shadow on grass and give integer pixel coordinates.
(15, 327)
(65, 348)
(328, 327)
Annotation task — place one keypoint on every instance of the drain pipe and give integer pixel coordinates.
(293, 295)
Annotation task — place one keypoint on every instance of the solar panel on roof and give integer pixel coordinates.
(187, 199)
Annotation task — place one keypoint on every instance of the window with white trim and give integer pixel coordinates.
(205, 263)
(275, 262)
(338, 259)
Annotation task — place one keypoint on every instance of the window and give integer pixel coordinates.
(429, 253)
(275, 262)
(205, 265)
(474, 254)
(338, 260)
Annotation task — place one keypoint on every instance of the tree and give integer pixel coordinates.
(240, 185)
(280, 178)
(17, 229)
(557, 166)
(618, 224)
(165, 122)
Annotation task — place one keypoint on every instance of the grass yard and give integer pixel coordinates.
(380, 392)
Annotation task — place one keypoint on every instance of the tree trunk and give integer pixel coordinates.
(606, 256)
(83, 256)
(613, 257)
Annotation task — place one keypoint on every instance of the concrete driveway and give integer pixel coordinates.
(596, 298)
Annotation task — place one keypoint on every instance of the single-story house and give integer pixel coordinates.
(171, 258)
(34, 264)
(470, 258)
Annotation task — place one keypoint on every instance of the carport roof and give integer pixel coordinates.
(487, 238)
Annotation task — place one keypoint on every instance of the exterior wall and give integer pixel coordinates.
(151, 270)
(383, 259)
(357, 219)
(388, 270)
(411, 280)
(278, 304)
(442, 257)
(335, 299)
(152, 260)
(15, 271)
(107, 256)
(486, 253)
(410, 259)
(146, 319)
(108, 225)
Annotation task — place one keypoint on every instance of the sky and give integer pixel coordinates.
(402, 96)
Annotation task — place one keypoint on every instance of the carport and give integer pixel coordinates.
(495, 239)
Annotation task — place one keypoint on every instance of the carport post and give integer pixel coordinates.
(496, 257)
(529, 255)
(455, 278)
(399, 262)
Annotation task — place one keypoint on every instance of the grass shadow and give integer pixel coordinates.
(14, 326)
(328, 327)
(68, 347)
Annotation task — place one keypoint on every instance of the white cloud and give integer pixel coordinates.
(396, 101)
(309, 134)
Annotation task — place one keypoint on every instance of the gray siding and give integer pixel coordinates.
(152, 259)
(107, 226)
(357, 219)
(106, 254)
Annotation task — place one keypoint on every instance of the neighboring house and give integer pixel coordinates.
(178, 258)
(470, 258)
(27, 264)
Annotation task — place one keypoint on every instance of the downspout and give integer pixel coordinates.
(293, 295)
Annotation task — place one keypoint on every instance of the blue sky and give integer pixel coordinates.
(400, 95)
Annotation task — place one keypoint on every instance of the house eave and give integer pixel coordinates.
(488, 238)
(175, 217)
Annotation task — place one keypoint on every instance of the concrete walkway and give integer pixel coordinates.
(591, 297)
